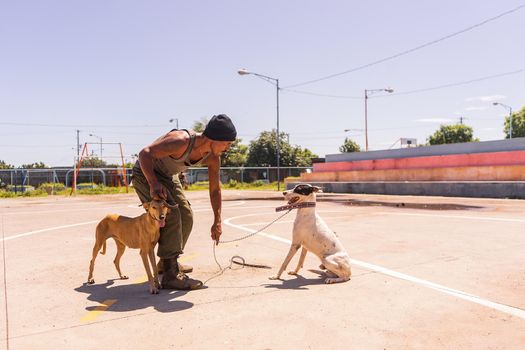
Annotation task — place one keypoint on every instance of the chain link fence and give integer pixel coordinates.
(27, 179)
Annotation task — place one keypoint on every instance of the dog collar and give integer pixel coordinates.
(296, 206)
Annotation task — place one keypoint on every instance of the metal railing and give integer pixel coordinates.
(21, 179)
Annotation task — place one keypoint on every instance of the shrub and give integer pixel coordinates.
(52, 187)
(232, 183)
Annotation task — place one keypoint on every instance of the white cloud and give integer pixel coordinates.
(490, 98)
(475, 108)
(434, 120)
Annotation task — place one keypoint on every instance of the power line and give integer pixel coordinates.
(453, 84)
(322, 95)
(402, 53)
(414, 91)
(83, 126)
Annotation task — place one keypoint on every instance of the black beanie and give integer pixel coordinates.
(220, 128)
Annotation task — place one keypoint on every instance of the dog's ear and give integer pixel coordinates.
(146, 205)
(317, 189)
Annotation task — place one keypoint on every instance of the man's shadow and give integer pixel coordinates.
(299, 282)
(135, 296)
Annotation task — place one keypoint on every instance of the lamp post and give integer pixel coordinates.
(100, 139)
(176, 122)
(367, 92)
(246, 72)
(510, 115)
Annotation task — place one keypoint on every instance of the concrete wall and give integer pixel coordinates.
(514, 190)
(445, 161)
(516, 144)
(480, 173)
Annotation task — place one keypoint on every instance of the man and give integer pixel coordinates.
(155, 176)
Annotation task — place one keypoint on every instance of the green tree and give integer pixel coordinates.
(93, 162)
(38, 165)
(518, 124)
(263, 150)
(4, 165)
(349, 146)
(200, 125)
(303, 157)
(236, 155)
(457, 133)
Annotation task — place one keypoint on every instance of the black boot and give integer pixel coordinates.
(172, 278)
(182, 267)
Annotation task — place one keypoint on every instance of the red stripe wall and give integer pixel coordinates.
(445, 161)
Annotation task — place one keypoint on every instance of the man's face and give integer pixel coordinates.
(219, 147)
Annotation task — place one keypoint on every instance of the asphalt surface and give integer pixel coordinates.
(428, 273)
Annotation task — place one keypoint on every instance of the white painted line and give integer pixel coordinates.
(58, 210)
(234, 204)
(488, 218)
(25, 234)
(289, 221)
(48, 229)
(517, 312)
(227, 222)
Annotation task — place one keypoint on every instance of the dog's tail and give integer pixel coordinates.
(103, 251)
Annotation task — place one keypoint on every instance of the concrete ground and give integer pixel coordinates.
(428, 273)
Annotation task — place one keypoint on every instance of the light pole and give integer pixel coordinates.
(176, 122)
(100, 139)
(510, 115)
(371, 91)
(246, 72)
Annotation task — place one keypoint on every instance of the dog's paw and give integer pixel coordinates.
(322, 267)
(330, 280)
(91, 281)
(124, 277)
(273, 278)
(154, 290)
(293, 273)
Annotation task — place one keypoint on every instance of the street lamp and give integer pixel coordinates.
(100, 139)
(371, 91)
(244, 71)
(510, 115)
(176, 122)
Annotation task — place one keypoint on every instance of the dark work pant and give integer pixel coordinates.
(179, 222)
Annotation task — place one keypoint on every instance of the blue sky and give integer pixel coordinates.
(122, 69)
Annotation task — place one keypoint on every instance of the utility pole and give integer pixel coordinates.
(78, 143)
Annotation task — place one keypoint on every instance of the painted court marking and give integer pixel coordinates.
(29, 233)
(48, 229)
(517, 312)
(92, 315)
(462, 217)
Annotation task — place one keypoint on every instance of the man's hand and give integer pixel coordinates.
(158, 192)
(216, 231)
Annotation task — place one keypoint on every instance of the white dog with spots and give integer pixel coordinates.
(312, 234)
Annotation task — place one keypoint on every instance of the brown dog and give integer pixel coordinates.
(141, 232)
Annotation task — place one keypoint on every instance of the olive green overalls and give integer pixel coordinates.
(179, 222)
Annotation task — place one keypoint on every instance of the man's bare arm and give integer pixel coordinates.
(214, 164)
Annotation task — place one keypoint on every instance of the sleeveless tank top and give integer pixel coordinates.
(169, 166)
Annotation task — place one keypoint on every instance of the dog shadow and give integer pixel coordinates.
(131, 297)
(299, 282)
